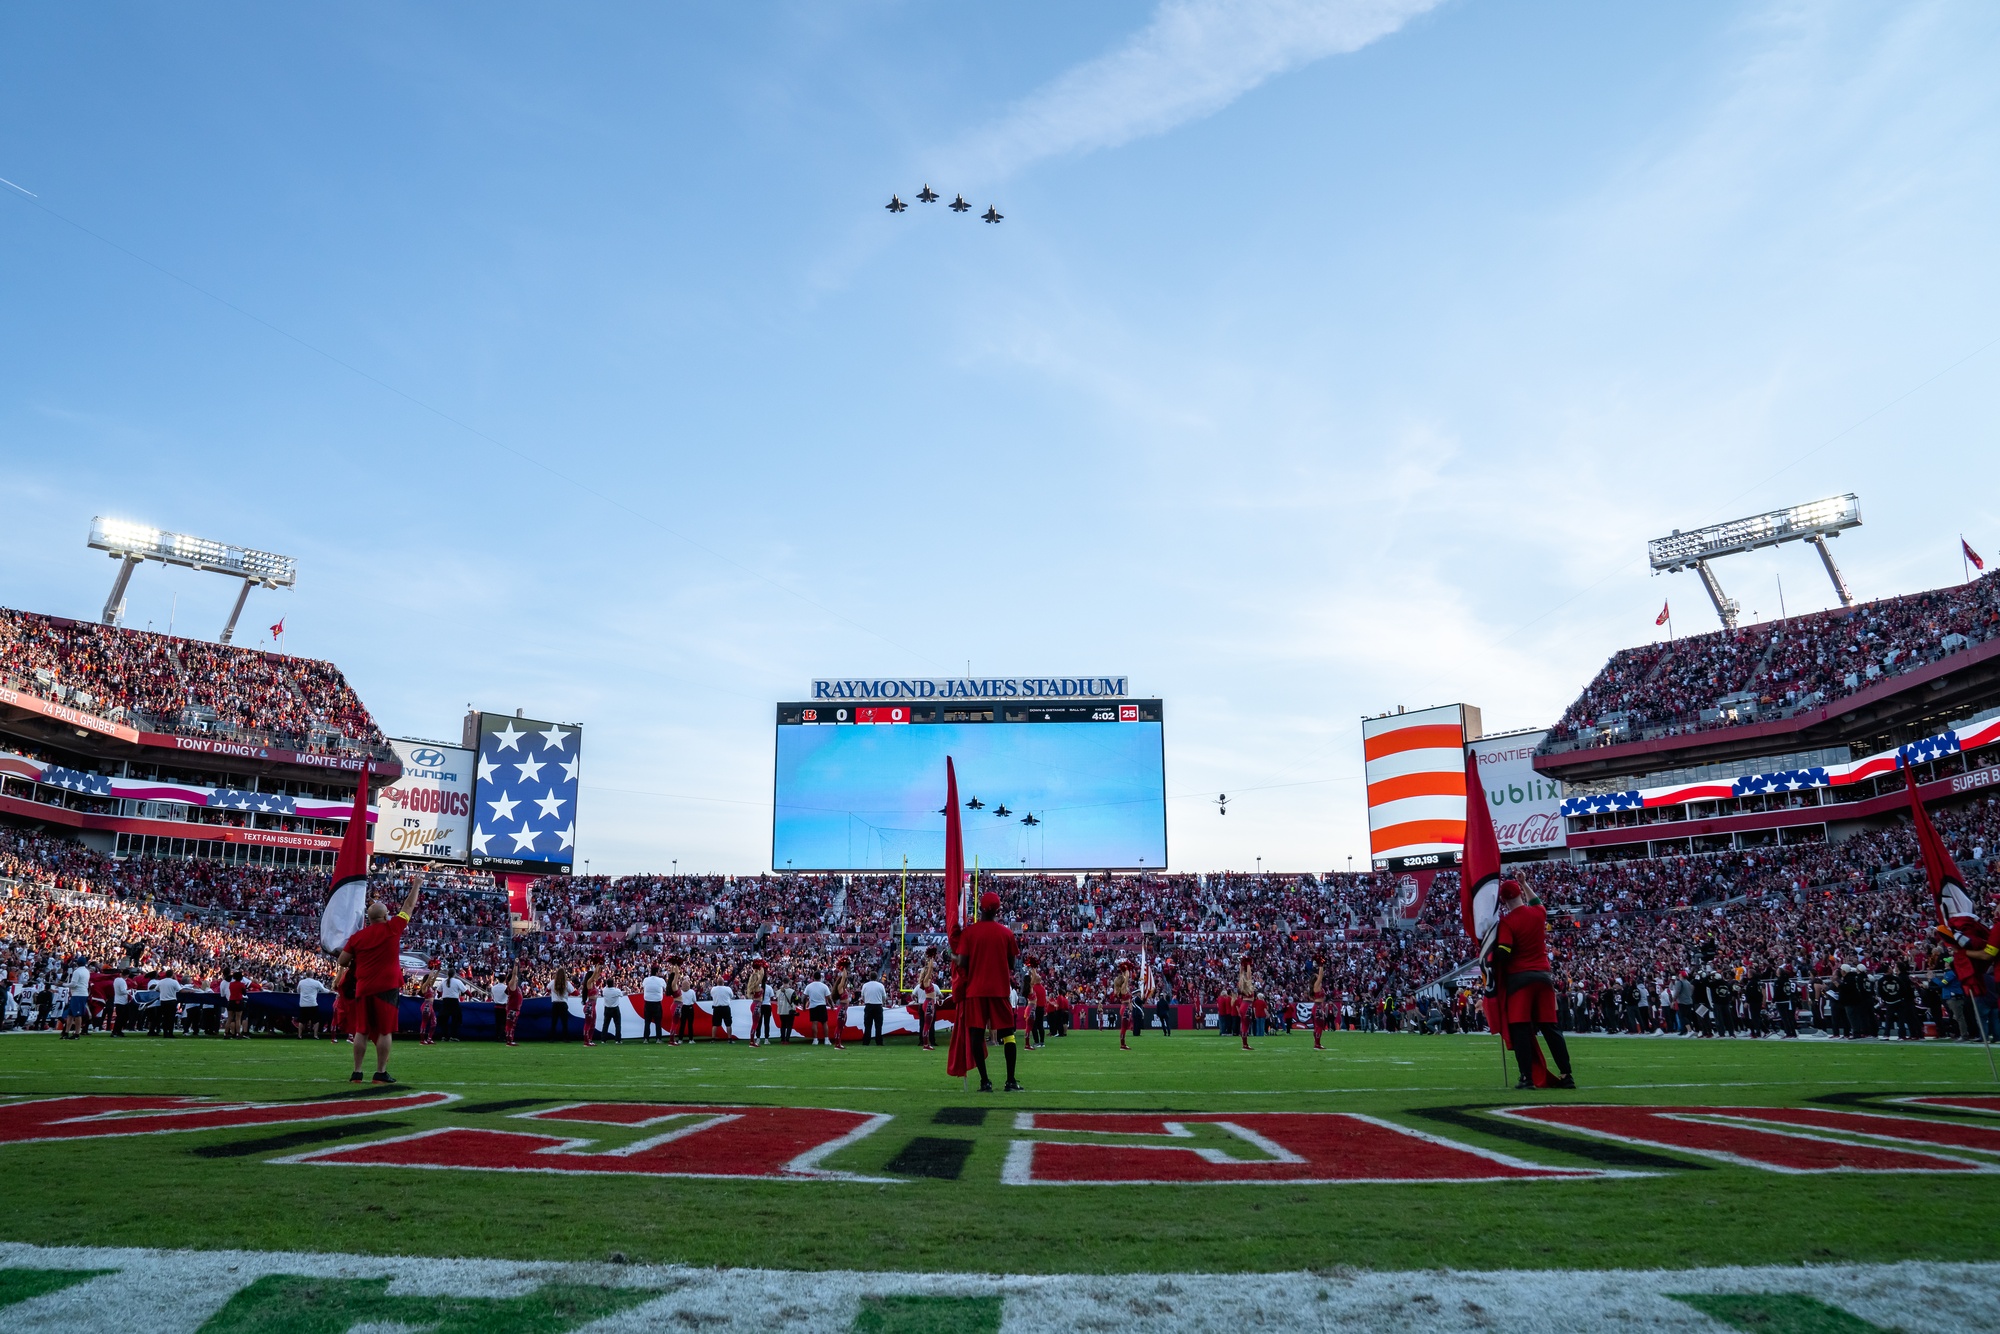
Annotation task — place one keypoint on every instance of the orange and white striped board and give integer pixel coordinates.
(1414, 764)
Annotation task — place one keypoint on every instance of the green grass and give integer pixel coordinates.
(84, 1193)
(1778, 1313)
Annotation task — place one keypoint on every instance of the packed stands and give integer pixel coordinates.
(1781, 667)
(165, 684)
(1821, 915)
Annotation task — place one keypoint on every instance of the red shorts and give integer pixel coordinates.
(374, 1017)
(987, 1012)
(1534, 1003)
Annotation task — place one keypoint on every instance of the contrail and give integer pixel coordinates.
(29, 193)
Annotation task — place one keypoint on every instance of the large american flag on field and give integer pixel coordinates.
(525, 807)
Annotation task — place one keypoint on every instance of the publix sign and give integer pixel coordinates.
(1527, 806)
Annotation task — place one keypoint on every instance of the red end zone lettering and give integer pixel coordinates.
(775, 1143)
(1728, 1134)
(1273, 1148)
(91, 1117)
(1959, 1102)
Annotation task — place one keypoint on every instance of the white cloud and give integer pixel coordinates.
(1193, 59)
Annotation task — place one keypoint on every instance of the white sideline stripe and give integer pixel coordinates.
(174, 1292)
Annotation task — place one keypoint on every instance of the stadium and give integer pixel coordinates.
(1182, 665)
(1764, 1022)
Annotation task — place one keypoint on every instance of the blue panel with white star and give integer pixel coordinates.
(524, 799)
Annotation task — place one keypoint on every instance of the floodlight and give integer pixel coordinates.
(132, 543)
(1812, 522)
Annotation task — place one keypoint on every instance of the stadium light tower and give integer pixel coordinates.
(136, 542)
(1814, 523)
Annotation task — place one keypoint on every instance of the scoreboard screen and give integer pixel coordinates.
(1041, 786)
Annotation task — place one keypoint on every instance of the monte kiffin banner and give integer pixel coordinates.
(971, 687)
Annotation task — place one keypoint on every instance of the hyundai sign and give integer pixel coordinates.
(427, 813)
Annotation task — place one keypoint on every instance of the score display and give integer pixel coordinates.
(1058, 786)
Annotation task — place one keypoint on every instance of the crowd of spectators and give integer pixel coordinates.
(1726, 923)
(169, 684)
(1781, 666)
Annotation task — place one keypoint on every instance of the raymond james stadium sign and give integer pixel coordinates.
(969, 687)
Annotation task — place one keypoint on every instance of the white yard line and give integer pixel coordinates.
(174, 1292)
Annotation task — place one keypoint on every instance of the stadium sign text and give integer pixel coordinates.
(967, 687)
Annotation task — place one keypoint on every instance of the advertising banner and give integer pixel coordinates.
(1414, 766)
(1527, 806)
(427, 812)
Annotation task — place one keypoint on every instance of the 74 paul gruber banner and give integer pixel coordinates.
(427, 812)
(1527, 806)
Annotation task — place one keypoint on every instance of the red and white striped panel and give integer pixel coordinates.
(1415, 768)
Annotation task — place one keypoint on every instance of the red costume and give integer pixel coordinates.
(1520, 944)
(378, 976)
(990, 952)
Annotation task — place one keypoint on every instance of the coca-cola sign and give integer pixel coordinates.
(1527, 806)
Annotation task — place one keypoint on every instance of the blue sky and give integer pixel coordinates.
(1331, 356)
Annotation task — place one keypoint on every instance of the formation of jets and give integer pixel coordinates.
(1000, 812)
(930, 196)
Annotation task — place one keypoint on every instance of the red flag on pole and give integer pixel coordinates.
(958, 1055)
(1479, 905)
(1666, 610)
(1479, 865)
(1972, 555)
(278, 630)
(347, 906)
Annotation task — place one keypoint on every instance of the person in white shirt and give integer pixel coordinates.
(614, 1010)
(873, 997)
(817, 995)
(684, 1030)
(76, 1015)
(652, 995)
(121, 996)
(309, 992)
(722, 1018)
(785, 1002)
(450, 989)
(497, 989)
(168, 989)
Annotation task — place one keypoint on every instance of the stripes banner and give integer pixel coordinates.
(1414, 764)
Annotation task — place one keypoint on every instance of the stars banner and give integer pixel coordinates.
(524, 797)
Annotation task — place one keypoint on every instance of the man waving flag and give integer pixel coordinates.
(347, 905)
(1483, 898)
(1973, 948)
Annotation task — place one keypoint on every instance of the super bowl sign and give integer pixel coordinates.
(1527, 806)
(427, 813)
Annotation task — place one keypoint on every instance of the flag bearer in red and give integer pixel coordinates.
(1319, 1000)
(987, 952)
(375, 953)
(1521, 957)
(1973, 945)
(1479, 909)
(1121, 997)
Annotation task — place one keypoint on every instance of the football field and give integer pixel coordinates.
(1180, 1179)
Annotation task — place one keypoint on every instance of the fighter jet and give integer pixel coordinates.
(895, 204)
(1029, 819)
(928, 195)
(958, 204)
(1001, 812)
(991, 214)
(975, 805)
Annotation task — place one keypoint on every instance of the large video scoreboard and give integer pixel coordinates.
(1059, 785)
